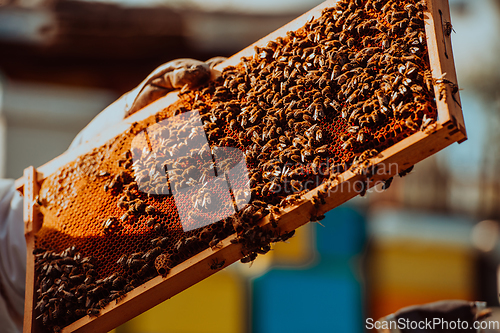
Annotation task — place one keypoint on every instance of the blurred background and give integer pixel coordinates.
(433, 235)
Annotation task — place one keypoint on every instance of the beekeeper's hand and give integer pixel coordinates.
(173, 75)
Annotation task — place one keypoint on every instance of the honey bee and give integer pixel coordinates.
(151, 222)
(216, 264)
(361, 188)
(135, 263)
(150, 210)
(387, 183)
(137, 206)
(411, 124)
(116, 295)
(158, 227)
(348, 144)
(263, 249)
(317, 201)
(426, 121)
(44, 317)
(215, 244)
(122, 261)
(317, 218)
(103, 173)
(286, 236)
(111, 224)
(118, 282)
(80, 312)
(249, 258)
(152, 254)
(93, 312)
(145, 270)
(429, 82)
(95, 292)
(125, 217)
(406, 171)
(42, 303)
(442, 82)
(77, 278)
(160, 241)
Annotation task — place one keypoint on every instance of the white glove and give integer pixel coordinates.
(12, 258)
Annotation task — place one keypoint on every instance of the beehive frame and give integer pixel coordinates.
(448, 129)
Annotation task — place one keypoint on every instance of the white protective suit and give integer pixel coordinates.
(12, 258)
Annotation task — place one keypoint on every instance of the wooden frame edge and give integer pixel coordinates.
(31, 226)
(442, 64)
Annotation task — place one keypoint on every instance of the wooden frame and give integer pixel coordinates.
(32, 223)
(448, 129)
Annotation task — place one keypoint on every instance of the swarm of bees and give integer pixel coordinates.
(70, 289)
(303, 109)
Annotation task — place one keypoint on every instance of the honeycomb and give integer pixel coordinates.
(301, 110)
